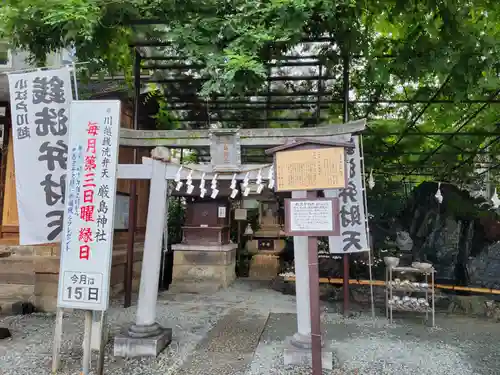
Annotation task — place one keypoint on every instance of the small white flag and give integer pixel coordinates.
(215, 192)
(178, 175)
(203, 191)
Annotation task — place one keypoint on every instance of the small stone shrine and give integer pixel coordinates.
(268, 241)
(205, 260)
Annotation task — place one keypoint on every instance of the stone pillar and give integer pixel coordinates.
(302, 337)
(298, 348)
(146, 337)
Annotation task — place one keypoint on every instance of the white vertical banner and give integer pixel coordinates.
(87, 242)
(40, 103)
(353, 236)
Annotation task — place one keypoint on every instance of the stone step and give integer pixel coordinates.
(18, 264)
(13, 277)
(16, 291)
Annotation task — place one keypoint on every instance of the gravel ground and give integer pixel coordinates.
(458, 346)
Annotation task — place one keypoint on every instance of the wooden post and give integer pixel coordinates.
(102, 346)
(317, 367)
(87, 337)
(56, 349)
(132, 222)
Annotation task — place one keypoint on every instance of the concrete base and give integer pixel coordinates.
(301, 356)
(264, 267)
(203, 269)
(130, 347)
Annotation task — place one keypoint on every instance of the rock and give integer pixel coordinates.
(4, 333)
(468, 305)
(328, 292)
(484, 270)
(493, 310)
(329, 267)
(23, 308)
(452, 233)
(280, 285)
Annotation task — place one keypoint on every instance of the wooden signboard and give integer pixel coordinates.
(317, 217)
(310, 169)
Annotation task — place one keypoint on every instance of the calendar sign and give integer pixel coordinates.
(87, 240)
(83, 287)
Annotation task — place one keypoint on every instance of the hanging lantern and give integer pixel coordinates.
(371, 180)
(495, 200)
(438, 195)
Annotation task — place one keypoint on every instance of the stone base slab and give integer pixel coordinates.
(203, 269)
(303, 357)
(130, 347)
(294, 355)
(264, 267)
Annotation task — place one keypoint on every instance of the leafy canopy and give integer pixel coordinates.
(446, 49)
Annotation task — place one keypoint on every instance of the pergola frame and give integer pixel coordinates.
(319, 100)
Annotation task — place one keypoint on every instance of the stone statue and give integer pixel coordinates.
(404, 241)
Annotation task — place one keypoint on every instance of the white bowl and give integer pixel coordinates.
(391, 261)
(422, 266)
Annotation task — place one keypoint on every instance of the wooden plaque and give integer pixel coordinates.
(310, 169)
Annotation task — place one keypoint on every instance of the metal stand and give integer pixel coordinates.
(409, 287)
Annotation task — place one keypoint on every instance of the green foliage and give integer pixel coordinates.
(443, 49)
(176, 213)
(165, 120)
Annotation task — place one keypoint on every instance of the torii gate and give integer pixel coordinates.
(146, 337)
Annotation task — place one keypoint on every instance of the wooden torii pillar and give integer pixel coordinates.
(146, 337)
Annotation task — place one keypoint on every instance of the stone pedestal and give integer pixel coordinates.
(298, 352)
(203, 269)
(265, 263)
(150, 346)
(264, 266)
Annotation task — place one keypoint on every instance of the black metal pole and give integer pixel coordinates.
(345, 118)
(132, 223)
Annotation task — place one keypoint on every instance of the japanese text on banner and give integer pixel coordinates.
(353, 236)
(40, 110)
(88, 229)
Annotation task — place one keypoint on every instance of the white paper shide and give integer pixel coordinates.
(40, 103)
(86, 245)
(311, 216)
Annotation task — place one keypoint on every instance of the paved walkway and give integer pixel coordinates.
(241, 331)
